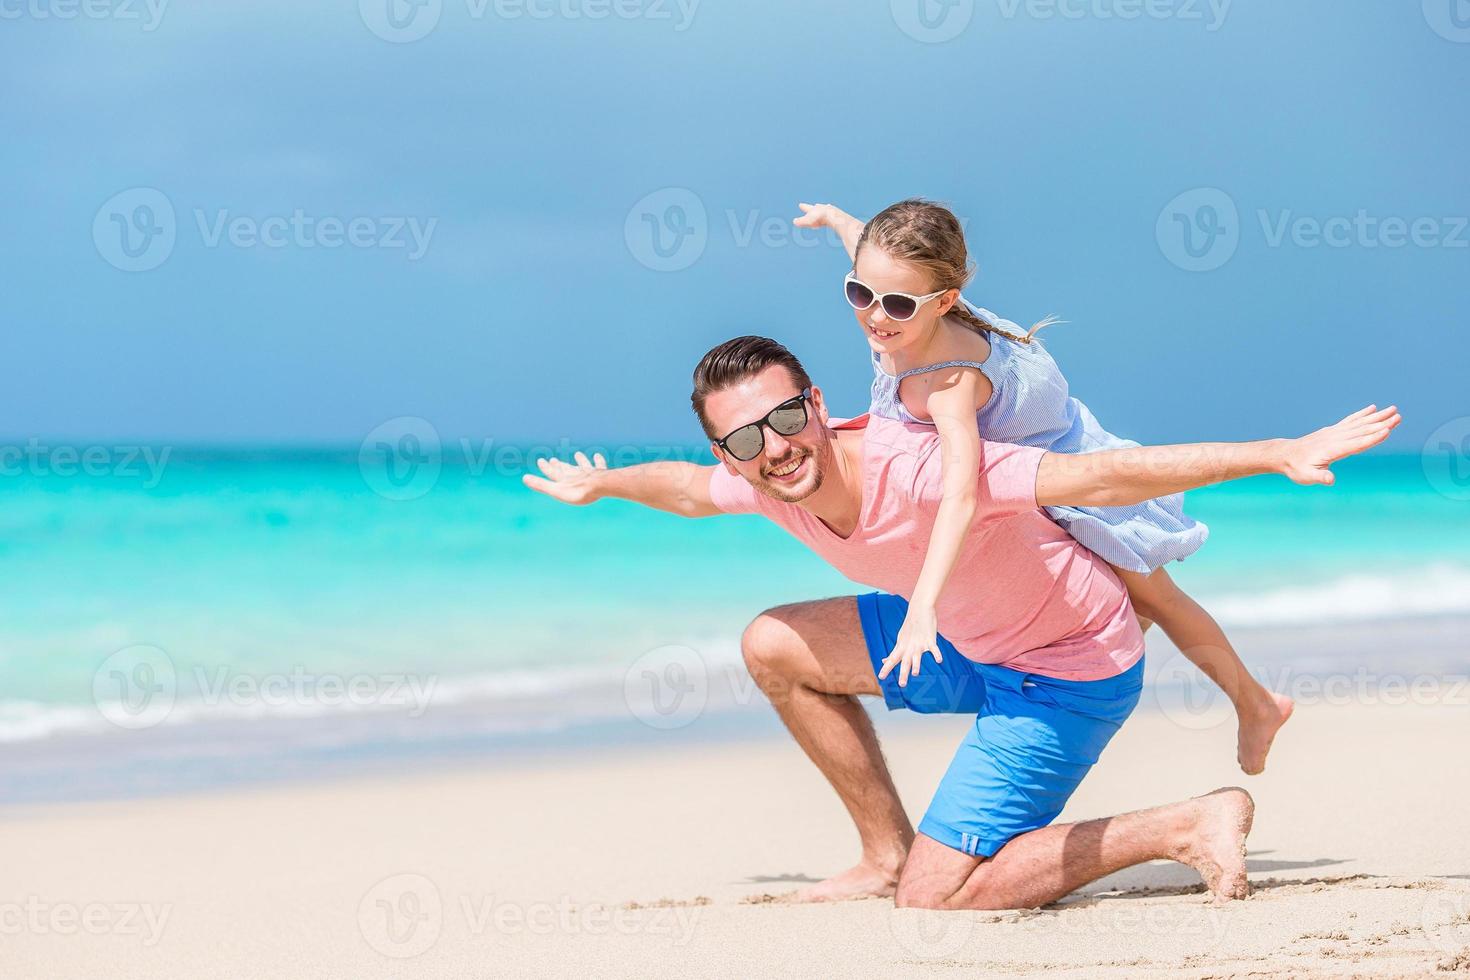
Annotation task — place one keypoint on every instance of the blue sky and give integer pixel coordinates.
(521, 146)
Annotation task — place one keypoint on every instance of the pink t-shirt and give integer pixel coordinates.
(1023, 593)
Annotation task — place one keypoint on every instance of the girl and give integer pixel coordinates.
(939, 360)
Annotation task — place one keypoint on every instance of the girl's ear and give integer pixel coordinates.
(947, 301)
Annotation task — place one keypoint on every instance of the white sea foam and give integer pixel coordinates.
(1440, 589)
(594, 690)
(518, 699)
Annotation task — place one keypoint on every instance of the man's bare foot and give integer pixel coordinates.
(1258, 727)
(1214, 840)
(861, 881)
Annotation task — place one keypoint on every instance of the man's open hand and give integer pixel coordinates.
(1307, 460)
(568, 483)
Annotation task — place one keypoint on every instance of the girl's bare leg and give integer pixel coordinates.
(1260, 712)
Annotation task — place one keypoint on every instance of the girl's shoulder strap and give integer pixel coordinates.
(977, 365)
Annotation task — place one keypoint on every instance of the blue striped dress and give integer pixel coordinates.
(1030, 405)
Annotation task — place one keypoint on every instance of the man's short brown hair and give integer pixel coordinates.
(733, 362)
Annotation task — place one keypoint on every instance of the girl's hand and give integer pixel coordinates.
(848, 228)
(920, 634)
(1307, 460)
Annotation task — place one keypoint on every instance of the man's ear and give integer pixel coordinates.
(820, 404)
(722, 458)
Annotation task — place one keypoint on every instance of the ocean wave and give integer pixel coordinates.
(525, 699)
(1439, 589)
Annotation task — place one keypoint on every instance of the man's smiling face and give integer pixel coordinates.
(788, 468)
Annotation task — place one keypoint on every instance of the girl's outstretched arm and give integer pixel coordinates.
(1119, 477)
(848, 228)
(951, 405)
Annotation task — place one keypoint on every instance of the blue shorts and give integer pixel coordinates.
(1033, 740)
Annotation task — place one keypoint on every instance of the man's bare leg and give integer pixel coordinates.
(810, 659)
(1207, 833)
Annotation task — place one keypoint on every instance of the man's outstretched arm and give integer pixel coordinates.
(1120, 477)
(679, 488)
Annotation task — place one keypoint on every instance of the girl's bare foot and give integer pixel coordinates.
(1259, 724)
(1214, 840)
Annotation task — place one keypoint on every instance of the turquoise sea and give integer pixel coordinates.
(229, 605)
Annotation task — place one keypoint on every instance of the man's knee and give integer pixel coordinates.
(925, 884)
(922, 885)
(975, 895)
(911, 895)
(766, 645)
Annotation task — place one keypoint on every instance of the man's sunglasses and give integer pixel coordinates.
(898, 306)
(787, 419)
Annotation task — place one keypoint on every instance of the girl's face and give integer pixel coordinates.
(882, 273)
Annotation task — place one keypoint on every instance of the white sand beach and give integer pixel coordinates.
(614, 865)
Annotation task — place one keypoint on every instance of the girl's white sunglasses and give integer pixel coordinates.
(898, 306)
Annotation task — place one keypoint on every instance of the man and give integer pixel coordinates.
(1038, 639)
